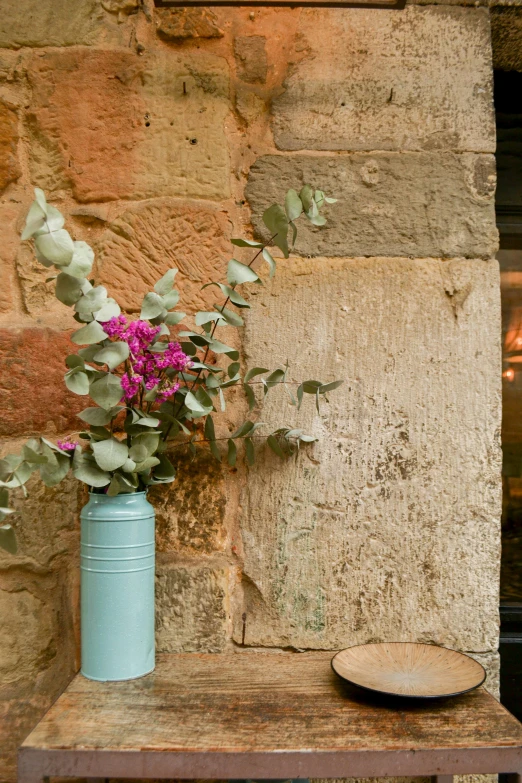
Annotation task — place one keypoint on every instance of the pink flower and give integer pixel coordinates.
(67, 445)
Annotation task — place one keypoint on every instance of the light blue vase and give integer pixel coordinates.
(117, 587)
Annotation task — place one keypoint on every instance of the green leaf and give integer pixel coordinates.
(210, 433)
(98, 416)
(197, 407)
(91, 474)
(68, 289)
(230, 317)
(214, 449)
(234, 297)
(8, 539)
(107, 391)
(34, 221)
(174, 318)
(113, 355)
(92, 301)
(219, 347)
(110, 454)
(232, 453)
(143, 445)
(274, 378)
(233, 369)
(311, 387)
(307, 438)
(307, 197)
(246, 243)
(164, 471)
(270, 261)
(274, 445)
(147, 464)
(251, 397)
(82, 260)
(244, 429)
(110, 309)
(73, 360)
(170, 300)
(166, 283)
(299, 394)
(87, 335)
(77, 381)
(293, 205)
(276, 221)
(31, 456)
(249, 451)
(152, 306)
(56, 246)
(51, 474)
(330, 386)
(238, 273)
(203, 318)
(253, 372)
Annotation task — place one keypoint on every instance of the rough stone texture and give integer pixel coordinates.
(145, 241)
(142, 135)
(387, 528)
(38, 594)
(419, 204)
(190, 512)
(368, 81)
(251, 59)
(33, 396)
(506, 38)
(9, 166)
(178, 24)
(49, 23)
(191, 606)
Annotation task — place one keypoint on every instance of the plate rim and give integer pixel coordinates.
(406, 695)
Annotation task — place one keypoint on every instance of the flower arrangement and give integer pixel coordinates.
(150, 389)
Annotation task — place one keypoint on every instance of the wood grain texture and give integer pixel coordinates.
(270, 703)
(409, 669)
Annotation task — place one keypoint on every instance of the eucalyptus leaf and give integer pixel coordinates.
(307, 197)
(92, 301)
(233, 369)
(56, 246)
(274, 378)
(214, 450)
(113, 355)
(251, 397)
(52, 474)
(210, 433)
(152, 306)
(253, 372)
(249, 451)
(91, 474)
(166, 283)
(170, 300)
(32, 456)
(174, 318)
(234, 297)
(229, 316)
(34, 221)
(246, 243)
(77, 381)
(109, 309)
(164, 471)
(276, 221)
(293, 205)
(270, 261)
(110, 454)
(274, 445)
(311, 387)
(203, 318)
(98, 416)
(106, 392)
(330, 386)
(238, 273)
(82, 260)
(143, 445)
(73, 360)
(232, 453)
(87, 335)
(68, 289)
(147, 464)
(243, 430)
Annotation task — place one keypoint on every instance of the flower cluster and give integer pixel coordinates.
(67, 445)
(147, 369)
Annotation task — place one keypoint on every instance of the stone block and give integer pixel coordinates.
(418, 204)
(178, 24)
(51, 23)
(388, 527)
(251, 59)
(151, 125)
(9, 166)
(33, 396)
(148, 239)
(191, 606)
(190, 512)
(367, 81)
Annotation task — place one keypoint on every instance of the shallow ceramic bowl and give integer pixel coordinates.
(422, 671)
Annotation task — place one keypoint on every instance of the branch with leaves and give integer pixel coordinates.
(151, 393)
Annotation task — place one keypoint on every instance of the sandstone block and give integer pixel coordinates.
(53, 23)
(178, 24)
(371, 81)
(251, 59)
(388, 527)
(151, 125)
(190, 512)
(9, 166)
(33, 396)
(191, 607)
(145, 241)
(419, 204)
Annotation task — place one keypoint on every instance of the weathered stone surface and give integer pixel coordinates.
(191, 606)
(151, 125)
(148, 239)
(419, 204)
(190, 512)
(506, 38)
(121, 6)
(251, 59)
(373, 81)
(177, 24)
(9, 166)
(388, 527)
(33, 396)
(51, 23)
(249, 105)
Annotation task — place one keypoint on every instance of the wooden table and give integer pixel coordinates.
(262, 715)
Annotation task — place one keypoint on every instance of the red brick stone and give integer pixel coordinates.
(9, 165)
(33, 396)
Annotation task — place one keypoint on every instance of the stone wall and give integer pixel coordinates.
(160, 134)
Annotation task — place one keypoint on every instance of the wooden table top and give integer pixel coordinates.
(258, 704)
